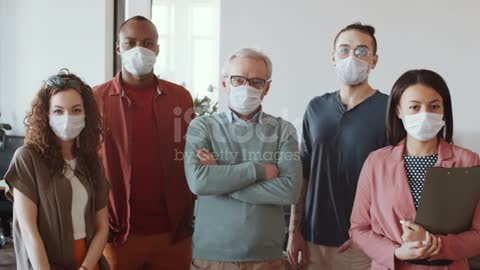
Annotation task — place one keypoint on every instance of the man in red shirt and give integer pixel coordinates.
(145, 120)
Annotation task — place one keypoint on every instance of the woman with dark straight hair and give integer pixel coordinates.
(419, 131)
(395, 129)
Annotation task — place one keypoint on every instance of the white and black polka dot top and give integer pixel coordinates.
(416, 168)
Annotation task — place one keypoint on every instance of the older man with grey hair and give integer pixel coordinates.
(244, 165)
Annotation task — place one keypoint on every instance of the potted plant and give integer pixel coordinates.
(3, 133)
(205, 104)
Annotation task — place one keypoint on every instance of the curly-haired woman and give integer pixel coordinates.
(57, 183)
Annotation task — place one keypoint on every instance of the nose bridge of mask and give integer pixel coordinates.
(425, 119)
(72, 119)
(238, 95)
(359, 62)
(61, 120)
(247, 90)
(138, 60)
(67, 121)
(242, 96)
(140, 52)
(429, 115)
(254, 91)
(352, 70)
(415, 118)
(434, 117)
(351, 65)
(134, 55)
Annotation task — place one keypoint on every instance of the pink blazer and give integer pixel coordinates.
(384, 198)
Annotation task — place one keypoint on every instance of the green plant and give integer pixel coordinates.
(205, 105)
(4, 127)
(3, 132)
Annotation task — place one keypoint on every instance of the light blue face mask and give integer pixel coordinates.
(423, 126)
(67, 127)
(244, 99)
(138, 60)
(351, 70)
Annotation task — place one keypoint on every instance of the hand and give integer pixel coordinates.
(435, 247)
(417, 250)
(344, 246)
(297, 251)
(412, 232)
(205, 157)
(271, 171)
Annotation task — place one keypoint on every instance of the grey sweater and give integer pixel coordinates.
(239, 214)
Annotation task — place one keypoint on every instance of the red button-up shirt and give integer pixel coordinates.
(173, 109)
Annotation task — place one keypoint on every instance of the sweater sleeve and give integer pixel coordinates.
(215, 179)
(285, 189)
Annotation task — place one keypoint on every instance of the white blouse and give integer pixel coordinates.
(79, 201)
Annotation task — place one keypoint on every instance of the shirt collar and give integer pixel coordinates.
(118, 89)
(232, 117)
(445, 150)
(159, 91)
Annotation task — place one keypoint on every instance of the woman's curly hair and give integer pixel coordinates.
(40, 136)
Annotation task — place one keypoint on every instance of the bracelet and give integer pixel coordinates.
(83, 267)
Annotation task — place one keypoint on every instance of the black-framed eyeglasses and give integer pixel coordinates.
(343, 51)
(237, 80)
(62, 82)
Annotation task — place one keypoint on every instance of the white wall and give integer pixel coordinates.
(38, 38)
(138, 7)
(442, 35)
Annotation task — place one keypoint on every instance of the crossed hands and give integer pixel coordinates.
(417, 243)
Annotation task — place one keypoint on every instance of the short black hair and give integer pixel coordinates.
(136, 18)
(363, 28)
(395, 129)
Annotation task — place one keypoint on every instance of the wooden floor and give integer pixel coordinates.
(7, 258)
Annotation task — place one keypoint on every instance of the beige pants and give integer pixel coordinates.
(213, 265)
(327, 258)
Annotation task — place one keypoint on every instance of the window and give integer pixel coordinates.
(189, 43)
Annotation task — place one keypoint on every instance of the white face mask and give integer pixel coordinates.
(138, 60)
(67, 127)
(351, 70)
(244, 99)
(423, 126)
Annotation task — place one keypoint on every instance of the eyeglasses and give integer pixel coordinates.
(62, 82)
(257, 83)
(360, 51)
